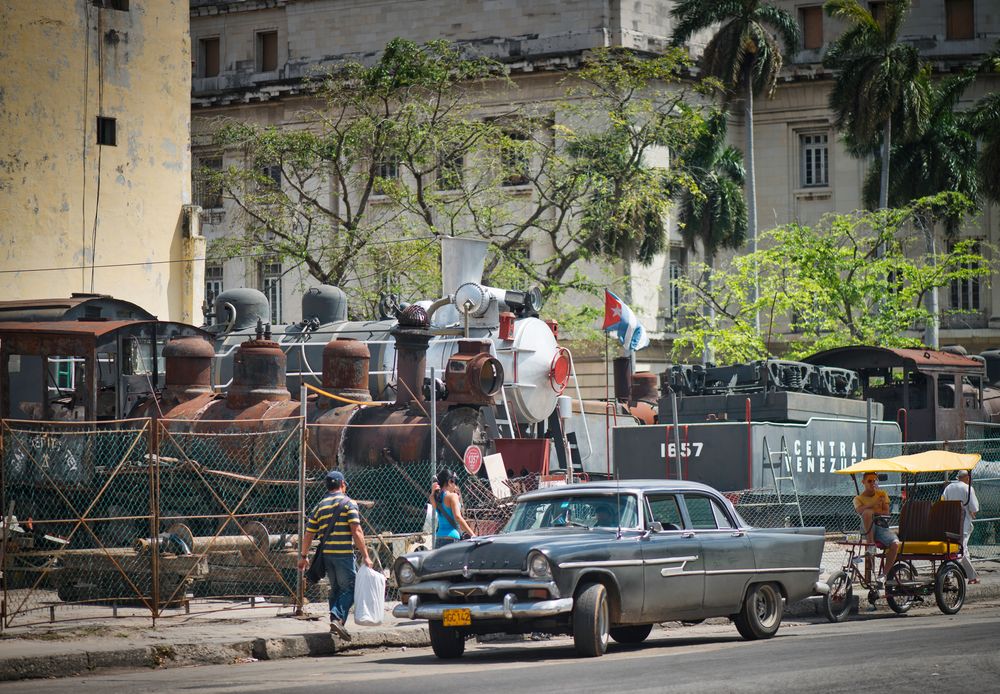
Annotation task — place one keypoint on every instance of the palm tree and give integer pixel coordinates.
(715, 214)
(878, 79)
(938, 156)
(745, 54)
(984, 122)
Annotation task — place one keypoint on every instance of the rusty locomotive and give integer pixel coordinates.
(499, 368)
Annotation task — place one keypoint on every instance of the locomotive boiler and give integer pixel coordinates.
(526, 346)
(347, 427)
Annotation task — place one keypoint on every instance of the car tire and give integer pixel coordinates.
(949, 588)
(633, 634)
(591, 620)
(837, 602)
(760, 616)
(448, 642)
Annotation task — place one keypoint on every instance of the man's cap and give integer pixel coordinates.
(335, 476)
(962, 473)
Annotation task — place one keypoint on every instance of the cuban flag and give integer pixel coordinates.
(619, 318)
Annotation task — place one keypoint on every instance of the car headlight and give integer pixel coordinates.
(538, 565)
(406, 574)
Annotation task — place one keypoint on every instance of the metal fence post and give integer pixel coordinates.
(154, 510)
(8, 514)
(303, 443)
(434, 447)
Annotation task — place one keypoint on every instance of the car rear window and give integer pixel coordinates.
(664, 509)
(705, 513)
(700, 511)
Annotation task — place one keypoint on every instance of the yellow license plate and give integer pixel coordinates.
(457, 618)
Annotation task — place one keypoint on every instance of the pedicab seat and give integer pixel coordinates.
(927, 527)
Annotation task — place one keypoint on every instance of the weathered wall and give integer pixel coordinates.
(68, 203)
(800, 105)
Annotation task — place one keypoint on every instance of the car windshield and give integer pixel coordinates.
(575, 510)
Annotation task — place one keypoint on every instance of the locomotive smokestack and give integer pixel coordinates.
(412, 337)
(258, 374)
(623, 378)
(188, 369)
(345, 371)
(643, 387)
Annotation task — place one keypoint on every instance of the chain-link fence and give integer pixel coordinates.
(768, 507)
(200, 515)
(75, 497)
(161, 514)
(228, 509)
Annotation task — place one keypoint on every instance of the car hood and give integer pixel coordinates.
(509, 552)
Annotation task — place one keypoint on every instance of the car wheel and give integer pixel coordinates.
(837, 602)
(590, 620)
(899, 591)
(448, 642)
(631, 634)
(760, 616)
(949, 588)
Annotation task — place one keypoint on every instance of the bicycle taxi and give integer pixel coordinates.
(931, 535)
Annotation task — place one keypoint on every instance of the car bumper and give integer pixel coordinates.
(508, 608)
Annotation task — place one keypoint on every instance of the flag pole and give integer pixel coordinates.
(607, 405)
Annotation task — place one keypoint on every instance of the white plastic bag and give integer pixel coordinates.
(369, 597)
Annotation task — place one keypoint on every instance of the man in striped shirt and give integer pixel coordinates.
(336, 520)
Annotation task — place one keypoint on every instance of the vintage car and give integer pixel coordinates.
(610, 559)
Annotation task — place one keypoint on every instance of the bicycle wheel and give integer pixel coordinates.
(898, 594)
(837, 603)
(949, 588)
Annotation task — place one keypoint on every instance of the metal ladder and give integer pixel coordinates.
(506, 427)
(782, 461)
(499, 424)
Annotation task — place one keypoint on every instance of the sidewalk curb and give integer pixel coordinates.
(811, 607)
(188, 654)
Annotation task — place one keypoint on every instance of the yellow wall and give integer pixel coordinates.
(64, 63)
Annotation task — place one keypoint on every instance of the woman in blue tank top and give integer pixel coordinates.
(448, 511)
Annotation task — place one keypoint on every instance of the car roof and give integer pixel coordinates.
(622, 486)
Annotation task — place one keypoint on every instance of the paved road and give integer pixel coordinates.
(919, 651)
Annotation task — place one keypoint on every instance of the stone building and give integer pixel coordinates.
(96, 178)
(804, 171)
(250, 58)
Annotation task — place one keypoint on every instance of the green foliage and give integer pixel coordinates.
(938, 155)
(878, 77)
(747, 44)
(829, 286)
(712, 211)
(400, 155)
(330, 194)
(984, 123)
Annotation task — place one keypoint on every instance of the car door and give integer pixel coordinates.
(673, 568)
(728, 556)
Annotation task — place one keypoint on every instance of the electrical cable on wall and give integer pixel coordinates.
(83, 157)
(100, 149)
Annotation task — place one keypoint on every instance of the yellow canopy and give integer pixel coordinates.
(928, 461)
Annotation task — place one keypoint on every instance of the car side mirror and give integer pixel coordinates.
(656, 527)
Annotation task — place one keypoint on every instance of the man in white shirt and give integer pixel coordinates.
(961, 491)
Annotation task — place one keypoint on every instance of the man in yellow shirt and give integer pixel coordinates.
(872, 505)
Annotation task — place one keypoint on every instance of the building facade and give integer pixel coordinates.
(95, 184)
(804, 171)
(250, 60)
